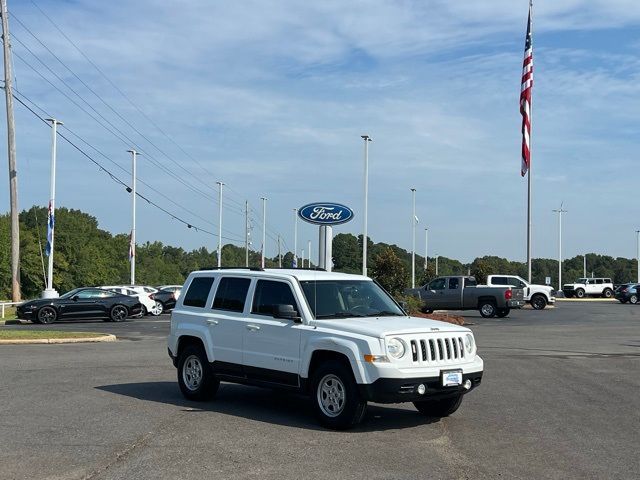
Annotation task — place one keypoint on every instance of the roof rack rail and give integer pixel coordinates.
(317, 269)
(255, 269)
(260, 269)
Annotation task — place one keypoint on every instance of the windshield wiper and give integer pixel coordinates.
(339, 315)
(386, 313)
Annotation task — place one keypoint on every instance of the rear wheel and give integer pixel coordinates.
(439, 408)
(503, 312)
(118, 313)
(157, 308)
(335, 396)
(144, 311)
(580, 293)
(538, 302)
(633, 299)
(608, 293)
(47, 315)
(487, 309)
(195, 376)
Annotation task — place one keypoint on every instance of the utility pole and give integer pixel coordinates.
(560, 211)
(246, 233)
(264, 228)
(295, 238)
(413, 239)
(279, 253)
(50, 291)
(220, 184)
(426, 248)
(132, 241)
(366, 139)
(13, 169)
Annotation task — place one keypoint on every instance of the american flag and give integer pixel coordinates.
(525, 98)
(50, 225)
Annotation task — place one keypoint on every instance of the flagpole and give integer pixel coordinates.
(50, 292)
(132, 240)
(529, 222)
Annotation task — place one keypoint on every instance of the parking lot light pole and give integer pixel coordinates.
(264, 229)
(132, 240)
(220, 184)
(366, 139)
(309, 254)
(295, 238)
(246, 233)
(584, 266)
(413, 239)
(426, 248)
(560, 211)
(437, 256)
(638, 252)
(50, 292)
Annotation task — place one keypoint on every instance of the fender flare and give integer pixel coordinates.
(348, 348)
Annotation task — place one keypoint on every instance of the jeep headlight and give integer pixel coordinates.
(468, 343)
(396, 348)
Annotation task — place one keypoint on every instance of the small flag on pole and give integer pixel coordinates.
(416, 219)
(526, 88)
(294, 262)
(50, 224)
(132, 253)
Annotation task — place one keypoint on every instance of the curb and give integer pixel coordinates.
(584, 299)
(41, 341)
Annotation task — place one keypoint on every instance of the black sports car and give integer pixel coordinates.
(79, 304)
(167, 298)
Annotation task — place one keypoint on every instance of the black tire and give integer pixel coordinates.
(191, 360)
(503, 312)
(144, 311)
(538, 301)
(580, 293)
(608, 293)
(118, 313)
(346, 409)
(46, 315)
(633, 299)
(439, 408)
(487, 309)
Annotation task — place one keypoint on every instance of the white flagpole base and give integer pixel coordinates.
(50, 293)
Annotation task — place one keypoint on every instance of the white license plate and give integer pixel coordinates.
(450, 379)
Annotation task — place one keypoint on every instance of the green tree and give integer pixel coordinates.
(390, 272)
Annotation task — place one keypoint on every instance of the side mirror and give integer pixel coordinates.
(75, 298)
(286, 312)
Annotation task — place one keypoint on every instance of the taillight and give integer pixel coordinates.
(152, 296)
(174, 295)
(508, 294)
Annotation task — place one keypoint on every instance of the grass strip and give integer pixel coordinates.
(16, 334)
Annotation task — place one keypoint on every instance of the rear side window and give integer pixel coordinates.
(231, 294)
(499, 281)
(454, 283)
(198, 292)
(269, 294)
(470, 282)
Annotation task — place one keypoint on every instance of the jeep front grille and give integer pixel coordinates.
(440, 350)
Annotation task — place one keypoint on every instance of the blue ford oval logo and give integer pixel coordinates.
(325, 213)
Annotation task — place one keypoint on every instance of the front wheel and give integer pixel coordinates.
(608, 293)
(118, 313)
(195, 377)
(439, 408)
(580, 293)
(47, 315)
(336, 400)
(503, 312)
(538, 302)
(487, 309)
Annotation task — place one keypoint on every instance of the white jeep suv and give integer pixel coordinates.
(602, 287)
(339, 338)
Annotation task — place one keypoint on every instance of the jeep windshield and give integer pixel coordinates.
(348, 298)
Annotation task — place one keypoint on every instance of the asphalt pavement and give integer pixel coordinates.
(559, 400)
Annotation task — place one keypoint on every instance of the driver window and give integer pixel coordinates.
(268, 294)
(438, 284)
(84, 294)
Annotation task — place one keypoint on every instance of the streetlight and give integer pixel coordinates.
(638, 252)
(437, 256)
(414, 220)
(49, 291)
(560, 211)
(220, 184)
(264, 229)
(426, 248)
(132, 240)
(366, 139)
(295, 238)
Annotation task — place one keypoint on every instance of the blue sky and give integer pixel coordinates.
(272, 97)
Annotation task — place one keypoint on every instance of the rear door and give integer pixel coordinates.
(271, 350)
(452, 293)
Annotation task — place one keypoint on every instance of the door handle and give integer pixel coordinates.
(253, 328)
(212, 322)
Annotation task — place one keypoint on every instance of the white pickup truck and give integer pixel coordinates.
(338, 338)
(539, 296)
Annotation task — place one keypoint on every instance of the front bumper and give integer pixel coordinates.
(399, 390)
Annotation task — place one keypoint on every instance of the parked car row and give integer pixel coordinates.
(113, 303)
(627, 292)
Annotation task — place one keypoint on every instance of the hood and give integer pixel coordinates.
(38, 302)
(380, 327)
(548, 287)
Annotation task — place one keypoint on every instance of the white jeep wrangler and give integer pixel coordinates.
(339, 338)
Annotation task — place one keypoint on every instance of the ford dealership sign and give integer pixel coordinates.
(325, 213)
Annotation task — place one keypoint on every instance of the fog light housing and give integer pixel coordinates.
(421, 389)
(467, 384)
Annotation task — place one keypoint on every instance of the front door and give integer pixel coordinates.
(83, 304)
(433, 293)
(272, 345)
